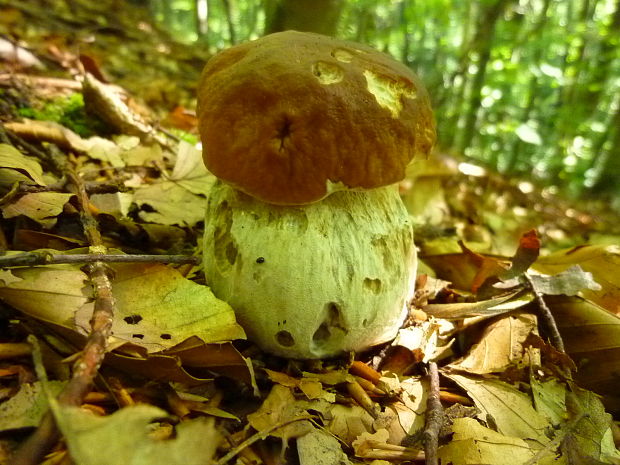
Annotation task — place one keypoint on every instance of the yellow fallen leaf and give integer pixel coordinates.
(474, 443)
(509, 408)
(43, 207)
(12, 158)
(501, 345)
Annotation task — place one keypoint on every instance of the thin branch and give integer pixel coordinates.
(87, 366)
(260, 435)
(434, 417)
(547, 317)
(46, 258)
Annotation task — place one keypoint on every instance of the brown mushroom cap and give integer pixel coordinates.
(293, 116)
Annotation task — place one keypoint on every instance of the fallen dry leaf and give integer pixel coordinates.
(18, 167)
(157, 308)
(591, 336)
(320, 448)
(43, 207)
(603, 262)
(501, 346)
(505, 406)
(125, 436)
(26, 408)
(474, 443)
(280, 407)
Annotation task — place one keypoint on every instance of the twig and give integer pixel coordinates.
(46, 258)
(260, 435)
(7, 79)
(87, 366)
(10, 350)
(91, 188)
(434, 417)
(547, 317)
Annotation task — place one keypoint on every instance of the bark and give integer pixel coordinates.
(608, 163)
(201, 14)
(229, 20)
(455, 99)
(483, 43)
(319, 16)
(573, 108)
(532, 92)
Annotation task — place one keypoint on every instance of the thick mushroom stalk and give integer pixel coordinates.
(306, 236)
(312, 281)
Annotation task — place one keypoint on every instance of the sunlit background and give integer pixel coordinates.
(524, 87)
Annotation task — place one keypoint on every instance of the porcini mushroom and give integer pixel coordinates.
(305, 234)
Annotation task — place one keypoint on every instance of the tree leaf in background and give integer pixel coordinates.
(527, 133)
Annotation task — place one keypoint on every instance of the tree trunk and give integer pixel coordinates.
(229, 19)
(201, 14)
(603, 61)
(528, 35)
(483, 42)
(454, 98)
(572, 108)
(319, 16)
(608, 164)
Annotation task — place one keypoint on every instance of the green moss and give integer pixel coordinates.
(68, 111)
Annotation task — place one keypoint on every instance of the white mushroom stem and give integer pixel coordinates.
(312, 281)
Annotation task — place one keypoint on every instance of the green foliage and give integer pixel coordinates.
(526, 87)
(68, 111)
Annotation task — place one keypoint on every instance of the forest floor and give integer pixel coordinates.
(510, 353)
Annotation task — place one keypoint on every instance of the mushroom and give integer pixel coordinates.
(305, 233)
